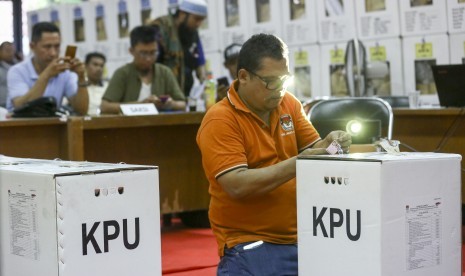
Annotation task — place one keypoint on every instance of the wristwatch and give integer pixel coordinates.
(83, 84)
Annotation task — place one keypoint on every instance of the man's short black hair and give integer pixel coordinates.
(91, 55)
(43, 27)
(143, 34)
(258, 47)
(5, 43)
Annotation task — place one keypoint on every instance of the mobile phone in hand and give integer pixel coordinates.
(164, 98)
(70, 51)
(223, 81)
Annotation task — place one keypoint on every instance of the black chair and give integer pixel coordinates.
(374, 115)
(396, 101)
(307, 105)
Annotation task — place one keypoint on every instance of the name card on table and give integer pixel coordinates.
(138, 109)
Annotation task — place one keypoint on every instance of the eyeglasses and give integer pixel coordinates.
(275, 83)
(147, 55)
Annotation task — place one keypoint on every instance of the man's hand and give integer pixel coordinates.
(341, 137)
(314, 151)
(56, 67)
(80, 101)
(76, 66)
(151, 99)
(164, 102)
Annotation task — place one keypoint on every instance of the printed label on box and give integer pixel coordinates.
(378, 53)
(423, 17)
(377, 19)
(423, 224)
(424, 50)
(24, 235)
(456, 16)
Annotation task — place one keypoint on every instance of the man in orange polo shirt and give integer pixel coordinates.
(249, 143)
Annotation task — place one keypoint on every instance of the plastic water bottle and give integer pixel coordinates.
(210, 91)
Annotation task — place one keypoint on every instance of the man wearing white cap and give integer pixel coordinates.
(179, 44)
(231, 55)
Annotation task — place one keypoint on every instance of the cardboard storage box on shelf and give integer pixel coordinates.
(422, 17)
(304, 63)
(209, 30)
(455, 16)
(299, 22)
(233, 22)
(419, 54)
(265, 17)
(332, 68)
(377, 214)
(385, 51)
(62, 218)
(336, 21)
(377, 19)
(457, 48)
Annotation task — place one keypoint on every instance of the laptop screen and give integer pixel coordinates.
(450, 84)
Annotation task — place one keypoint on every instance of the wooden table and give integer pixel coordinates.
(168, 141)
(426, 130)
(43, 138)
(165, 140)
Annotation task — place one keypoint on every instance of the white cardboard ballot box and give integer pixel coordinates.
(377, 214)
(62, 218)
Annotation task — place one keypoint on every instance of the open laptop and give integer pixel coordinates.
(450, 84)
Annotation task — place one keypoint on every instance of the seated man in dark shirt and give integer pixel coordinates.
(143, 80)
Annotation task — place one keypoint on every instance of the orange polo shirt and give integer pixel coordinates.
(230, 137)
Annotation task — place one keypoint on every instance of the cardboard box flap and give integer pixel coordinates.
(380, 156)
(60, 167)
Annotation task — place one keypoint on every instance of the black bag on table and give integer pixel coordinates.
(40, 107)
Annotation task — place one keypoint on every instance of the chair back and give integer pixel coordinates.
(396, 101)
(307, 105)
(334, 114)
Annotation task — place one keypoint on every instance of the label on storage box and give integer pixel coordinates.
(24, 236)
(423, 224)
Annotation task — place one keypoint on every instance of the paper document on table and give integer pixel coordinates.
(197, 91)
(390, 146)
